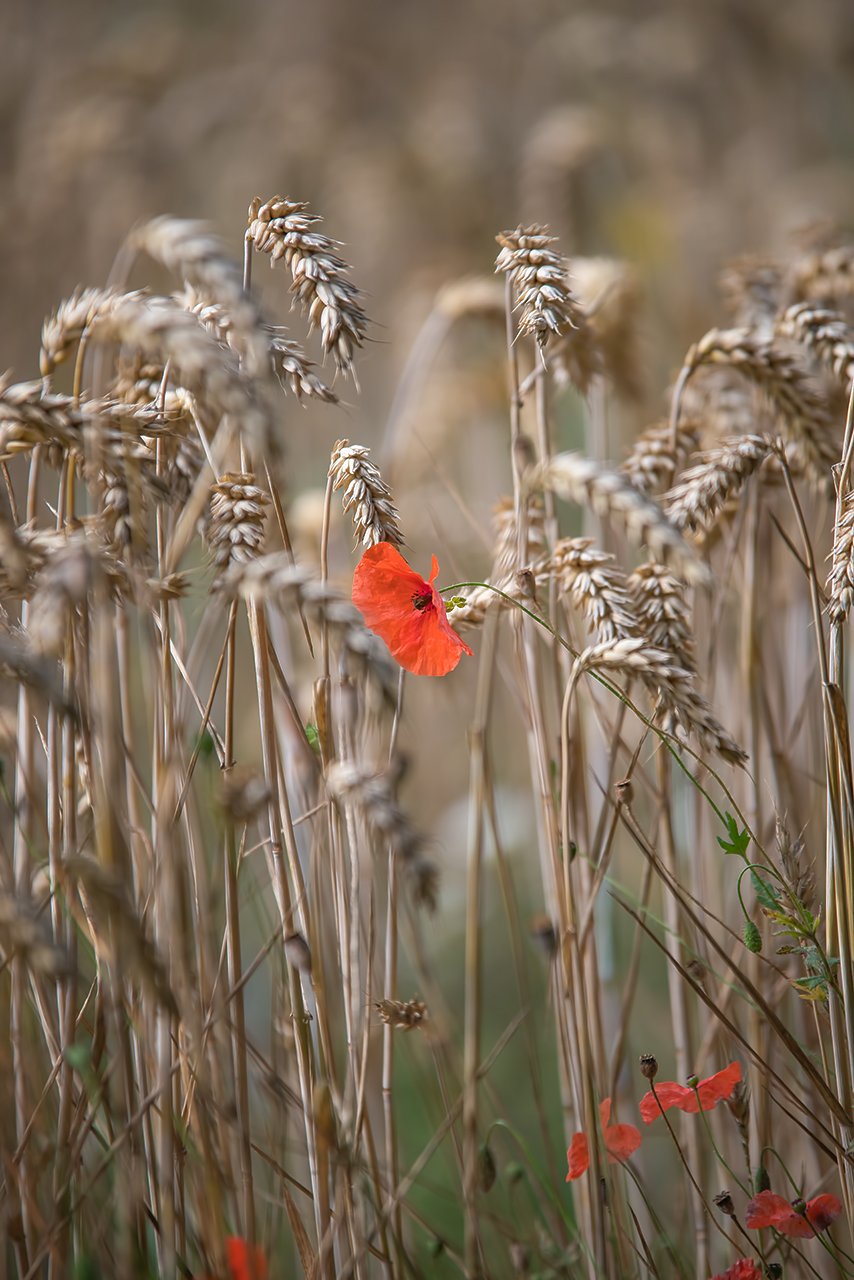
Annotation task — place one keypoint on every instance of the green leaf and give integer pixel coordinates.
(792, 926)
(766, 895)
(738, 840)
(811, 988)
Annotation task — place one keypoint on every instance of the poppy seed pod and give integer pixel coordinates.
(649, 1065)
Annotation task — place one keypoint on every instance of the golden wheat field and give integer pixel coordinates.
(426, 564)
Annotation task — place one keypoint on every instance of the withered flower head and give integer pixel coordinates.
(403, 1014)
(724, 1202)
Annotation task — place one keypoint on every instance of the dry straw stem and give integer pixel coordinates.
(283, 229)
(547, 306)
(801, 409)
(608, 292)
(653, 464)
(612, 495)
(718, 476)
(375, 517)
(826, 333)
(505, 561)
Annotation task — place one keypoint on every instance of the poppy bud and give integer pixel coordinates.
(724, 1202)
(524, 453)
(521, 1258)
(752, 936)
(486, 1170)
(692, 1081)
(625, 792)
(649, 1065)
(526, 585)
(761, 1181)
(298, 952)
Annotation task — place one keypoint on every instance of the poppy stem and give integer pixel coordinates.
(694, 1181)
(667, 739)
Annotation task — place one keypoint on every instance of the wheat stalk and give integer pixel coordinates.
(826, 333)
(286, 232)
(801, 410)
(612, 495)
(596, 587)
(826, 274)
(547, 306)
(705, 488)
(375, 516)
(653, 464)
(840, 582)
(663, 613)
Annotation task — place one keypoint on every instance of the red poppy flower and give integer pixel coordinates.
(620, 1141)
(237, 1253)
(237, 1256)
(711, 1091)
(768, 1210)
(406, 612)
(743, 1269)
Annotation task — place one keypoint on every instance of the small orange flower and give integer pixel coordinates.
(710, 1091)
(406, 612)
(768, 1210)
(620, 1141)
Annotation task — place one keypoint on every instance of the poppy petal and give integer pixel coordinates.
(620, 1141)
(767, 1210)
(823, 1210)
(578, 1156)
(742, 1269)
(604, 1113)
(237, 1253)
(438, 649)
(718, 1086)
(667, 1094)
(418, 636)
(708, 1094)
